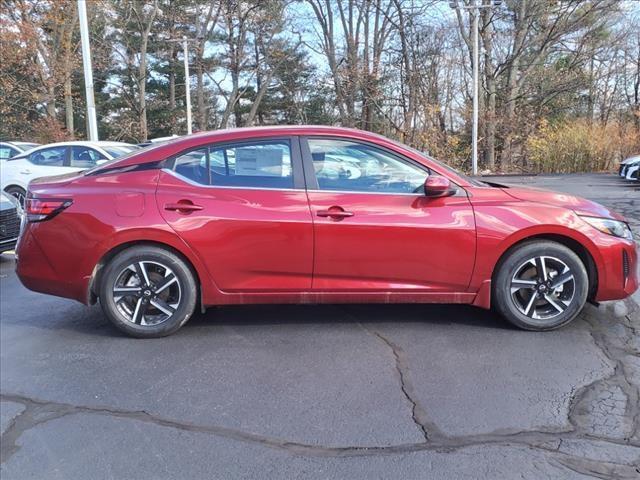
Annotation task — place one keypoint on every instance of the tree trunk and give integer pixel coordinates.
(490, 82)
(51, 100)
(256, 103)
(142, 71)
(68, 107)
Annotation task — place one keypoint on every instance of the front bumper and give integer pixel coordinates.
(8, 244)
(618, 275)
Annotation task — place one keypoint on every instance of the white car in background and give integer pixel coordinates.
(56, 159)
(11, 149)
(626, 163)
(633, 170)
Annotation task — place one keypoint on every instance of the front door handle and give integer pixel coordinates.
(183, 206)
(334, 212)
(25, 172)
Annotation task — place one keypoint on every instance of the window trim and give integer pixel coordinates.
(168, 165)
(66, 159)
(310, 173)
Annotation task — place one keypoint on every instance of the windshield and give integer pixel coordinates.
(28, 146)
(129, 151)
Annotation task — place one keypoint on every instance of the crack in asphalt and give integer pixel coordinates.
(418, 415)
(599, 469)
(596, 408)
(427, 428)
(38, 412)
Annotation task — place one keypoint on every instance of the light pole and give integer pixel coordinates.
(475, 6)
(187, 84)
(92, 123)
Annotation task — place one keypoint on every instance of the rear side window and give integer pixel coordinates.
(49, 157)
(257, 165)
(193, 165)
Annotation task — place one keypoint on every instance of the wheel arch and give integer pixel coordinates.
(96, 276)
(14, 185)
(571, 243)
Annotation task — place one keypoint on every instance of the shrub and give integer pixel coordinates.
(578, 146)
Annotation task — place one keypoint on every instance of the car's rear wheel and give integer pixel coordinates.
(148, 292)
(540, 285)
(17, 192)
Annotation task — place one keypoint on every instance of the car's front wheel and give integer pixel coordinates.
(147, 291)
(540, 285)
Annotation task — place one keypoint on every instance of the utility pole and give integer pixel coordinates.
(475, 6)
(187, 83)
(474, 128)
(92, 123)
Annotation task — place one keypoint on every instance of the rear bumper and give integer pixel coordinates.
(37, 274)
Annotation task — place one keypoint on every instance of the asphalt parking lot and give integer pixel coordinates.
(398, 392)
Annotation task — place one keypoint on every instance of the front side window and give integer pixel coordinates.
(84, 157)
(256, 165)
(345, 165)
(49, 157)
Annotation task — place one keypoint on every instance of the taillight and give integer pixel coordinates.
(40, 209)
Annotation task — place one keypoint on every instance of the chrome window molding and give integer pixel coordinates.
(461, 191)
(228, 187)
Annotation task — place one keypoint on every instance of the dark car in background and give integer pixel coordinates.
(10, 217)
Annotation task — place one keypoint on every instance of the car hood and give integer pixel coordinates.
(580, 205)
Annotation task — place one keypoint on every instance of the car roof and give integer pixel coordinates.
(86, 143)
(79, 143)
(15, 142)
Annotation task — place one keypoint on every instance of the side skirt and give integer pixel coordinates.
(343, 297)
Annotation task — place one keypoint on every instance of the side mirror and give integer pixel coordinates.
(436, 186)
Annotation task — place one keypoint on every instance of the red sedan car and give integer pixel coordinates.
(313, 215)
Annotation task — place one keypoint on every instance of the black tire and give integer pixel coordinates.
(17, 192)
(520, 302)
(125, 298)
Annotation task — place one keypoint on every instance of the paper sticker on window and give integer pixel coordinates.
(262, 162)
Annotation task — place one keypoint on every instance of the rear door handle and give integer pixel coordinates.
(25, 172)
(334, 212)
(182, 206)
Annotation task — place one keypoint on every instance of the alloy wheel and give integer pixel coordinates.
(147, 293)
(19, 195)
(542, 288)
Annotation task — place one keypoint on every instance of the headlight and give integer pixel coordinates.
(611, 227)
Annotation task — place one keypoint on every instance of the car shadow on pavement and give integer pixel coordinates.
(348, 313)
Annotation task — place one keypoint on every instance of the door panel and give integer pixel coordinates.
(374, 228)
(251, 239)
(393, 242)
